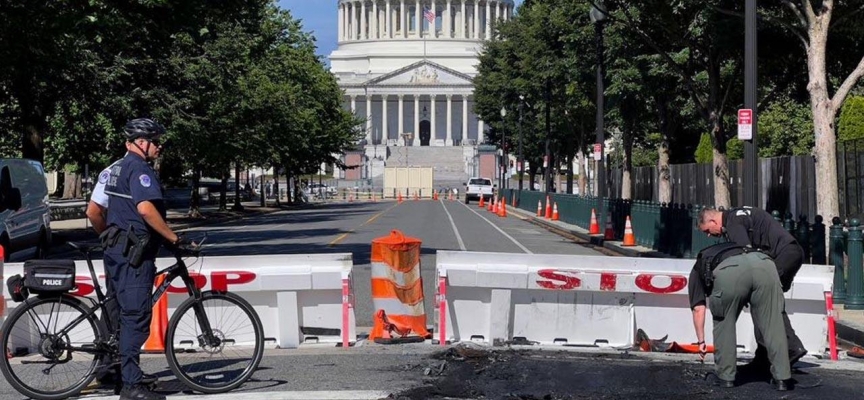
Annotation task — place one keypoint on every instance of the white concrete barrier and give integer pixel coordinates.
(594, 300)
(304, 298)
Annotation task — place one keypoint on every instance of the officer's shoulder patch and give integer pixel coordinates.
(144, 179)
(741, 213)
(103, 177)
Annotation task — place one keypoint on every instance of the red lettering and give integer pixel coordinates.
(83, 287)
(567, 282)
(644, 282)
(200, 282)
(220, 280)
(608, 281)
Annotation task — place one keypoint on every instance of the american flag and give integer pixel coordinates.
(429, 14)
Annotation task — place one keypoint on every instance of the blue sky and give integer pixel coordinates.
(319, 17)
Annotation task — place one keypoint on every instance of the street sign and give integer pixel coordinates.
(598, 149)
(745, 124)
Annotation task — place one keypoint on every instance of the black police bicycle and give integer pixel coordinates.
(56, 344)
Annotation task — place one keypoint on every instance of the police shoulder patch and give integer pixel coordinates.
(103, 177)
(740, 213)
(144, 179)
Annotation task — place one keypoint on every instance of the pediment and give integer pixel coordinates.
(423, 73)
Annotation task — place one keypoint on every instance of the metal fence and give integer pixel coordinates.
(787, 184)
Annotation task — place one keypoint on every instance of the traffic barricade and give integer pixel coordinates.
(301, 299)
(498, 298)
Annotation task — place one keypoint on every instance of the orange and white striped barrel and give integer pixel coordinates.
(397, 287)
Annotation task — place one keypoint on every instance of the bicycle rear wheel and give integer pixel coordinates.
(227, 365)
(44, 363)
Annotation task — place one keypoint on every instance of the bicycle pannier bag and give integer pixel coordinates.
(49, 276)
(17, 291)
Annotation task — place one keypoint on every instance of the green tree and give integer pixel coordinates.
(851, 125)
(704, 154)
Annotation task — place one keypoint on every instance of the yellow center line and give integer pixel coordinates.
(373, 218)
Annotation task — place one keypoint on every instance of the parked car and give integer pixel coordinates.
(321, 190)
(25, 216)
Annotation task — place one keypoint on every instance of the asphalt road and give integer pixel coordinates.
(422, 371)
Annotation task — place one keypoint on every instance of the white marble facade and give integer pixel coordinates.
(402, 79)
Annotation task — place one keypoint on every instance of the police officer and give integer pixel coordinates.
(755, 228)
(136, 228)
(97, 209)
(735, 276)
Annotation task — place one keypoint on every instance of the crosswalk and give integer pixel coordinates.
(293, 395)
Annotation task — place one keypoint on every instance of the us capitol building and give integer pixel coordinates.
(406, 67)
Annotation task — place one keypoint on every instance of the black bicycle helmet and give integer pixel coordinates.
(143, 128)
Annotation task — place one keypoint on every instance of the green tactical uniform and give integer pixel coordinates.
(738, 280)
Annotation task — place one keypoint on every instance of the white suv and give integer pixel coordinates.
(25, 217)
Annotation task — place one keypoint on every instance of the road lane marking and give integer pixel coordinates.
(455, 230)
(374, 217)
(292, 395)
(512, 239)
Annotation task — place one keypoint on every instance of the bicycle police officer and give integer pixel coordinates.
(136, 228)
(755, 228)
(734, 276)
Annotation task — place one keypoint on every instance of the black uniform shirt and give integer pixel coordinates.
(756, 228)
(130, 182)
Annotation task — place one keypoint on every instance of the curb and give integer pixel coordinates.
(850, 331)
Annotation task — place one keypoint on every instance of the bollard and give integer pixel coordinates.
(803, 236)
(776, 215)
(789, 224)
(855, 275)
(837, 250)
(817, 243)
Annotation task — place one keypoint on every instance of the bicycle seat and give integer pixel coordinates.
(85, 247)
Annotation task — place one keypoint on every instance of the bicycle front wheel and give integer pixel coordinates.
(233, 358)
(48, 355)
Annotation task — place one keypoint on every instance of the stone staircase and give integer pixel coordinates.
(448, 163)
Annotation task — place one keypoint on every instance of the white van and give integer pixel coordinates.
(25, 217)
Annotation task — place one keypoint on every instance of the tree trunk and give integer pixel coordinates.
(583, 171)
(627, 168)
(532, 174)
(721, 164)
(195, 198)
(570, 171)
(824, 111)
(31, 137)
(71, 184)
(276, 185)
(237, 189)
(223, 191)
(664, 171)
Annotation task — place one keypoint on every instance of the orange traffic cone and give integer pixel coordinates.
(555, 212)
(481, 204)
(502, 211)
(548, 208)
(158, 324)
(594, 228)
(539, 208)
(494, 205)
(400, 197)
(610, 232)
(629, 239)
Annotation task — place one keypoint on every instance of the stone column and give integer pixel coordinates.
(462, 20)
(464, 118)
(388, 27)
(480, 126)
(368, 119)
(476, 19)
(449, 119)
(433, 28)
(363, 20)
(353, 104)
(341, 28)
(384, 120)
(488, 32)
(374, 30)
(418, 21)
(432, 130)
(448, 31)
(401, 128)
(402, 15)
(416, 141)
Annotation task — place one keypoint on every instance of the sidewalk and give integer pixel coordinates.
(849, 323)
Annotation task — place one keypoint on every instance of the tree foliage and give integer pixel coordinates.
(851, 125)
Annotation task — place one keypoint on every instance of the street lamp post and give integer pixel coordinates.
(406, 137)
(520, 162)
(598, 17)
(503, 183)
(751, 147)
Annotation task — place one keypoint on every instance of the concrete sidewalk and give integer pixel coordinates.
(849, 323)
